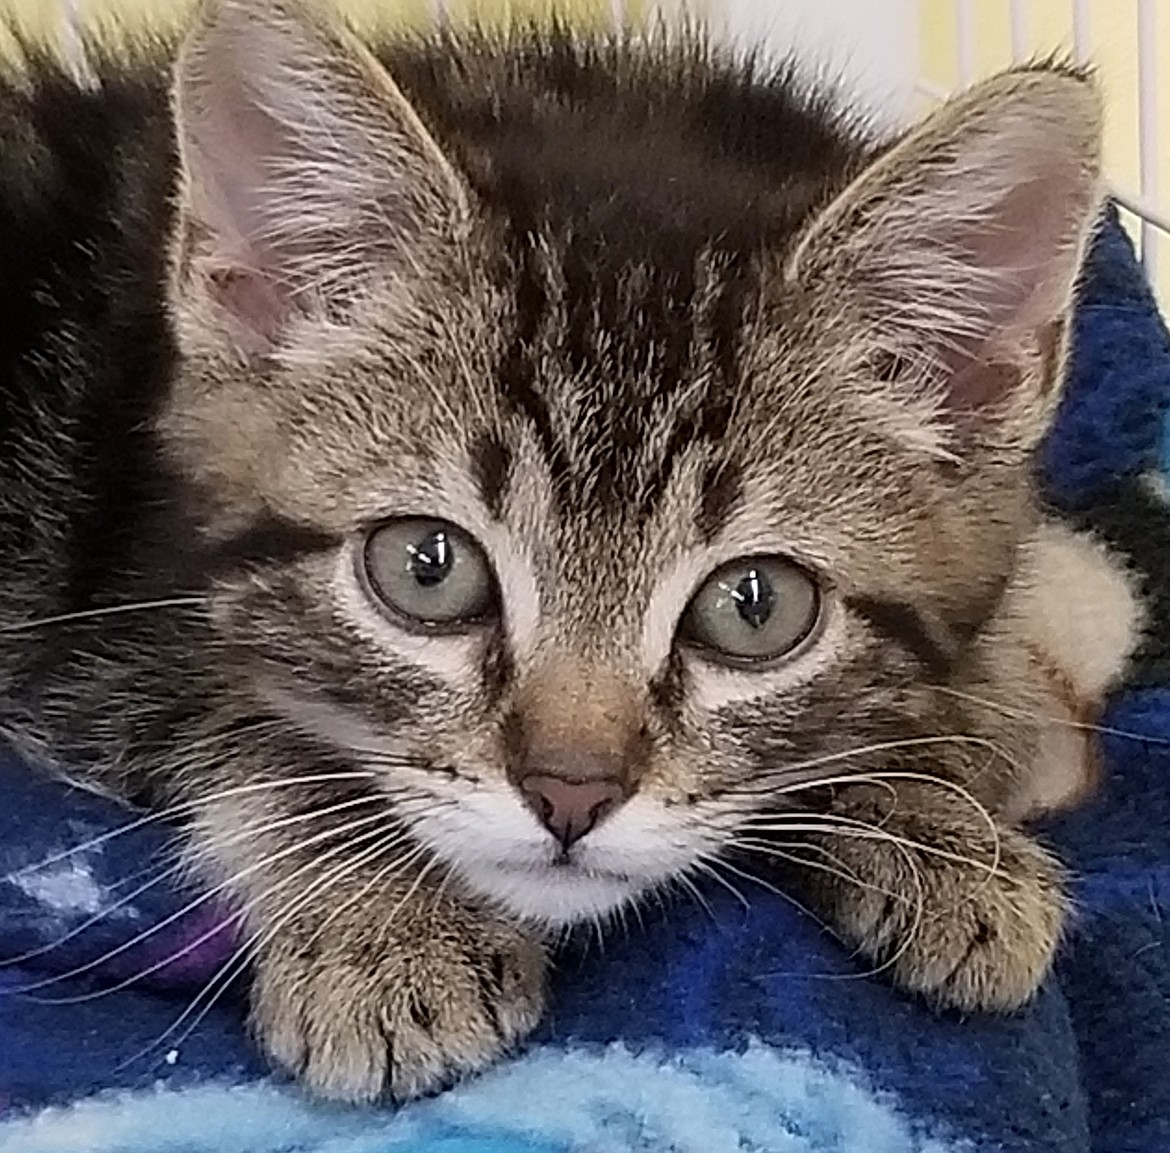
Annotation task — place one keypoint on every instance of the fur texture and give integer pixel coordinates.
(623, 313)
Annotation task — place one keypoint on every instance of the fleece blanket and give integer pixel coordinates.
(738, 1026)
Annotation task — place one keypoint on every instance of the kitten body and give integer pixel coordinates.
(624, 315)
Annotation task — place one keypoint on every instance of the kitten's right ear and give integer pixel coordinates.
(957, 251)
(304, 170)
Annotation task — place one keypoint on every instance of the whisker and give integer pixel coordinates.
(198, 752)
(105, 611)
(771, 789)
(227, 972)
(828, 928)
(181, 808)
(190, 907)
(703, 867)
(836, 869)
(441, 888)
(126, 982)
(237, 914)
(726, 864)
(598, 926)
(236, 964)
(387, 871)
(636, 910)
(656, 894)
(862, 830)
(246, 832)
(693, 891)
(620, 915)
(1065, 722)
(715, 863)
(95, 919)
(919, 906)
(940, 782)
(863, 751)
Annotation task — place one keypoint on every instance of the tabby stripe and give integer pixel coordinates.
(491, 467)
(516, 374)
(706, 421)
(720, 495)
(497, 668)
(904, 625)
(270, 540)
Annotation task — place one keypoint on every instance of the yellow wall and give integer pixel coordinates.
(1113, 46)
(44, 16)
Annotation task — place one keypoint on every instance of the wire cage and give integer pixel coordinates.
(920, 49)
(1128, 41)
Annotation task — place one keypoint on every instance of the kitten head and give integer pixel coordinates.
(639, 442)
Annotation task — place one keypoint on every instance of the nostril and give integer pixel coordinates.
(570, 809)
(544, 807)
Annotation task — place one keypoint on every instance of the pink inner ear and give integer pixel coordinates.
(231, 149)
(252, 299)
(245, 150)
(978, 385)
(1024, 243)
(1018, 252)
(307, 174)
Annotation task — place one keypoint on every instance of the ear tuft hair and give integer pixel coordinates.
(960, 246)
(304, 167)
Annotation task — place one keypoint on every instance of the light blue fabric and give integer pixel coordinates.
(611, 1101)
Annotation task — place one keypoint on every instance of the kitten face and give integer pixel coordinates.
(612, 405)
(594, 568)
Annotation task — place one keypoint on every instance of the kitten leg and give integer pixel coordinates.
(379, 1004)
(962, 910)
(376, 980)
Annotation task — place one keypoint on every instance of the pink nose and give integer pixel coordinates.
(570, 809)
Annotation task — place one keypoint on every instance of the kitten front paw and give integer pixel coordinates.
(360, 1015)
(960, 934)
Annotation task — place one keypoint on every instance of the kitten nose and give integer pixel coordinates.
(570, 809)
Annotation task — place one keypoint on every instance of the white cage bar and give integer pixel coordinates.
(1018, 15)
(1080, 29)
(1148, 131)
(965, 12)
(1153, 216)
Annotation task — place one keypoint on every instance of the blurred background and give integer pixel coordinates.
(897, 56)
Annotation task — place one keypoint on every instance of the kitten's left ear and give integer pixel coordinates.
(304, 169)
(957, 251)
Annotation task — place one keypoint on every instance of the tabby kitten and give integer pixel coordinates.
(481, 482)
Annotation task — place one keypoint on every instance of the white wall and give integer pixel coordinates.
(871, 44)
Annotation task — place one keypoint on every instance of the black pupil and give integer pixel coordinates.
(754, 598)
(431, 559)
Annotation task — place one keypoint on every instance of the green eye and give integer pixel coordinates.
(754, 610)
(428, 571)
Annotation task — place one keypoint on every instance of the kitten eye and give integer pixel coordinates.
(428, 571)
(753, 611)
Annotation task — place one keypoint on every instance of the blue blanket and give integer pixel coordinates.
(739, 1026)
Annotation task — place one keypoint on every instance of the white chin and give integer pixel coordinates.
(552, 895)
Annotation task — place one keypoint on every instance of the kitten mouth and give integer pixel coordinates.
(562, 866)
(557, 891)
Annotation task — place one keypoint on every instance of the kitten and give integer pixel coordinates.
(480, 482)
